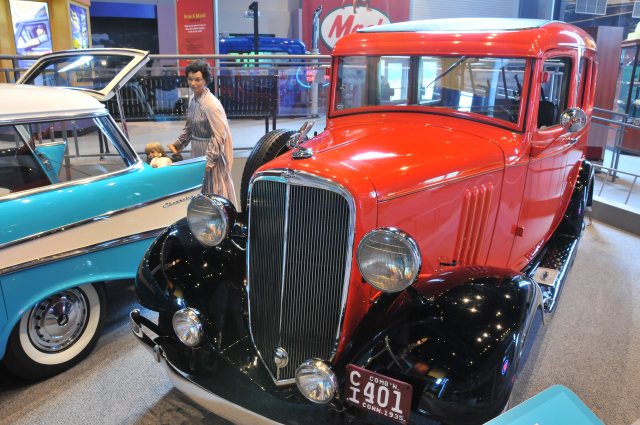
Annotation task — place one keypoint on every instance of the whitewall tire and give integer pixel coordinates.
(57, 332)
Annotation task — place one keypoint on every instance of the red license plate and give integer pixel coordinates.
(378, 394)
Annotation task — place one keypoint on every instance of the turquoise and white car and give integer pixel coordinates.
(78, 207)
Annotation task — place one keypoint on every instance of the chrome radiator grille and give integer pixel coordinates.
(299, 259)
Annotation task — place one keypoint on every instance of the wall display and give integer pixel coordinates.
(31, 27)
(79, 26)
(195, 28)
(343, 17)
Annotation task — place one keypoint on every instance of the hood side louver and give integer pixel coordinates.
(473, 224)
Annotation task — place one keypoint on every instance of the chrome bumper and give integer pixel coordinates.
(195, 392)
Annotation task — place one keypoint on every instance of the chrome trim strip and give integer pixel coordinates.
(552, 153)
(15, 195)
(287, 196)
(195, 392)
(211, 401)
(301, 178)
(92, 219)
(189, 161)
(51, 118)
(83, 250)
(437, 185)
(44, 145)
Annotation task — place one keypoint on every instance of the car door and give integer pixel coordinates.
(550, 169)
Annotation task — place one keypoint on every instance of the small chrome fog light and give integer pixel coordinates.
(316, 381)
(188, 326)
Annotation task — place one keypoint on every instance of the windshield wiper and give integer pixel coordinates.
(448, 70)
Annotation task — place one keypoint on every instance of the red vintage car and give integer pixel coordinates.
(390, 267)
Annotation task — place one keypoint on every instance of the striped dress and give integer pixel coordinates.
(207, 130)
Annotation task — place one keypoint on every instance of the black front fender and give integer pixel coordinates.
(178, 271)
(455, 337)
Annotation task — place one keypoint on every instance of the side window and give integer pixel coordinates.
(40, 154)
(583, 69)
(19, 168)
(554, 91)
(89, 152)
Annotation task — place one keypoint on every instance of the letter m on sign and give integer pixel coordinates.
(340, 29)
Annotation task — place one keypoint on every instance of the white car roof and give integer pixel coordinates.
(26, 102)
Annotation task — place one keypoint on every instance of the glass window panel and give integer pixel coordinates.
(485, 86)
(372, 81)
(40, 154)
(86, 72)
(19, 168)
(554, 91)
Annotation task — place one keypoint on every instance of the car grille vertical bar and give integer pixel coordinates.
(313, 269)
(314, 274)
(268, 200)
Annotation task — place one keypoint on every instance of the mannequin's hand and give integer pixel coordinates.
(207, 169)
(173, 148)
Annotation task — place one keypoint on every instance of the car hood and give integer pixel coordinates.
(403, 158)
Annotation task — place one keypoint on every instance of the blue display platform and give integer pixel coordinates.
(554, 406)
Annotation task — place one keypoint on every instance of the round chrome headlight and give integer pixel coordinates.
(316, 381)
(188, 326)
(389, 259)
(208, 219)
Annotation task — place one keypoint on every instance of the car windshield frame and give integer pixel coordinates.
(412, 87)
(109, 129)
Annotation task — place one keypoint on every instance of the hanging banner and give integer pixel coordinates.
(195, 28)
(31, 27)
(342, 17)
(79, 26)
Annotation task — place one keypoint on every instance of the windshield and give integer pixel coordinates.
(491, 87)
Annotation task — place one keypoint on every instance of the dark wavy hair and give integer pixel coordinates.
(200, 65)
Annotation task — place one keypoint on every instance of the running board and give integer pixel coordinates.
(551, 272)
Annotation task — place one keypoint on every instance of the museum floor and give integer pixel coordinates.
(592, 346)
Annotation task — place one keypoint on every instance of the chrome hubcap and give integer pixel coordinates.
(57, 322)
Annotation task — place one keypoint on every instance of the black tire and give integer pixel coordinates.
(39, 348)
(270, 146)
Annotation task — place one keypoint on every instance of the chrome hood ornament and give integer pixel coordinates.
(298, 138)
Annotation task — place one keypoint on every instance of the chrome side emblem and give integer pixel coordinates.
(168, 204)
(303, 153)
(281, 357)
(288, 175)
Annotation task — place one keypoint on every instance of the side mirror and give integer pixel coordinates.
(573, 120)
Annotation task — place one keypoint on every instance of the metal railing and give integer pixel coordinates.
(610, 172)
(620, 129)
(295, 95)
